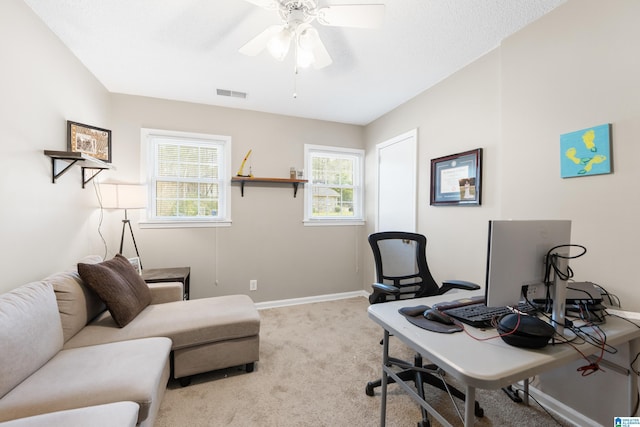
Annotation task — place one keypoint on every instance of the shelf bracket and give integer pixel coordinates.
(86, 180)
(295, 188)
(55, 175)
(243, 180)
(72, 158)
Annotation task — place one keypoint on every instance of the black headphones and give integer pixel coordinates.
(524, 331)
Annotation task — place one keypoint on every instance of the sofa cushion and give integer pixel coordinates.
(135, 370)
(77, 303)
(188, 323)
(30, 332)
(119, 285)
(119, 414)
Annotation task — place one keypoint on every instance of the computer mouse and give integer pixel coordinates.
(438, 316)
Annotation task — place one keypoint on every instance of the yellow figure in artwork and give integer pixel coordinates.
(585, 154)
(571, 155)
(599, 158)
(589, 140)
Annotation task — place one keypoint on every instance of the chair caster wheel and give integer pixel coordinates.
(369, 389)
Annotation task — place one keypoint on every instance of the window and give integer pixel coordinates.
(334, 192)
(186, 173)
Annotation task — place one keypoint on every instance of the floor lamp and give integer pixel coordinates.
(124, 196)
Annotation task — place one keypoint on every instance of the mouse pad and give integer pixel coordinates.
(415, 316)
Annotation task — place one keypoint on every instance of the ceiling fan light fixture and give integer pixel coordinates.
(304, 58)
(278, 45)
(297, 15)
(308, 37)
(307, 40)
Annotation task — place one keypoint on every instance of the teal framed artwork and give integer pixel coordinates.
(586, 152)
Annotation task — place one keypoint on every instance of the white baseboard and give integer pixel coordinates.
(308, 300)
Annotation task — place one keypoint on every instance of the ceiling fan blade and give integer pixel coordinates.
(352, 15)
(265, 4)
(322, 57)
(259, 42)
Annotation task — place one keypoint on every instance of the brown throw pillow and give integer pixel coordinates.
(120, 287)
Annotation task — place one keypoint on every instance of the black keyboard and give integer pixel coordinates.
(480, 316)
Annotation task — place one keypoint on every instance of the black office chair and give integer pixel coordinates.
(402, 273)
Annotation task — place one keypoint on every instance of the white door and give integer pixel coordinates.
(397, 183)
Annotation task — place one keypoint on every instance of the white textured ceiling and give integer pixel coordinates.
(186, 49)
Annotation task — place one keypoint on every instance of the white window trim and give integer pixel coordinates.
(147, 157)
(308, 221)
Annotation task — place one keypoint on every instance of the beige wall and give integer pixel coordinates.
(43, 226)
(459, 114)
(47, 227)
(267, 240)
(576, 67)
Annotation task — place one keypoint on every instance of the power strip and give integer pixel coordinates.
(577, 293)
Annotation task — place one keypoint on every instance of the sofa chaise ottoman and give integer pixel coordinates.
(207, 334)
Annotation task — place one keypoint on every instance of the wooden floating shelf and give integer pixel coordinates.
(244, 179)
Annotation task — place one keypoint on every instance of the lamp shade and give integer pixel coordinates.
(123, 196)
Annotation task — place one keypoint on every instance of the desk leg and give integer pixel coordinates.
(469, 407)
(634, 348)
(383, 386)
(525, 398)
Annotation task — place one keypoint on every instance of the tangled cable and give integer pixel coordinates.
(552, 262)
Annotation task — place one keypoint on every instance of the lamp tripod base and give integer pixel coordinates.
(126, 222)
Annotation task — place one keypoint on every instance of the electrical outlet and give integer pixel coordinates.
(536, 291)
(253, 285)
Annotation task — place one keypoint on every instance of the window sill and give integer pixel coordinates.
(184, 224)
(332, 222)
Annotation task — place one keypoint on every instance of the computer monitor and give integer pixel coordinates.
(516, 256)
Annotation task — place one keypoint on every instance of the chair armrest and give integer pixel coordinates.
(385, 289)
(380, 292)
(457, 284)
(165, 292)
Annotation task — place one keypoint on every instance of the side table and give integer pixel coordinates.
(177, 274)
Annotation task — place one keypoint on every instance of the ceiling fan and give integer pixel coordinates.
(296, 28)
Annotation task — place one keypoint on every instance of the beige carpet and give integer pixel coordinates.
(315, 361)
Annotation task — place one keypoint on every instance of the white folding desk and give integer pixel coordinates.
(488, 364)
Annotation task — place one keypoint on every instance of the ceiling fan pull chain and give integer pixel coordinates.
(295, 77)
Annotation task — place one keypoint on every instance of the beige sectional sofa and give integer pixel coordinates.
(64, 357)
(118, 414)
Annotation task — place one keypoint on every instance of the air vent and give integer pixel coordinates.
(231, 93)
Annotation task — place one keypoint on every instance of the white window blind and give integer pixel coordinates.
(334, 192)
(187, 174)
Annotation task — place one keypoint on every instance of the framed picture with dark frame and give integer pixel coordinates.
(90, 140)
(456, 179)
